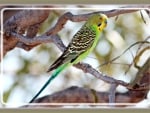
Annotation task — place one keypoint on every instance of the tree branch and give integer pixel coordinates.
(88, 96)
(18, 23)
(14, 36)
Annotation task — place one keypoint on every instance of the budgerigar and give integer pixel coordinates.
(83, 42)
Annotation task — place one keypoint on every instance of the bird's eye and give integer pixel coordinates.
(99, 25)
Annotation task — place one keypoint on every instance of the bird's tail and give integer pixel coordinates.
(55, 73)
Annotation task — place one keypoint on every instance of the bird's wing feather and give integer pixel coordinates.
(79, 44)
(66, 57)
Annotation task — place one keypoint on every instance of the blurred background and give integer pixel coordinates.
(24, 72)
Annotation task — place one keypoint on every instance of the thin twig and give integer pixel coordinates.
(112, 93)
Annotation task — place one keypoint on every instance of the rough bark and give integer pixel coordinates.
(77, 95)
(29, 20)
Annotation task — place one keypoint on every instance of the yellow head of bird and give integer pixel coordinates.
(98, 20)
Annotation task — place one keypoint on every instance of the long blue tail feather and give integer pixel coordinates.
(55, 73)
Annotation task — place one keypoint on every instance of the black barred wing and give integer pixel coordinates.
(80, 43)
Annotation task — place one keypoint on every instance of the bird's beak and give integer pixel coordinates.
(105, 23)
